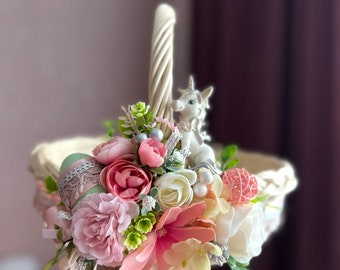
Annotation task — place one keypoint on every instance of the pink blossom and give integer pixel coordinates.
(126, 179)
(152, 152)
(175, 225)
(169, 124)
(240, 186)
(97, 227)
(109, 151)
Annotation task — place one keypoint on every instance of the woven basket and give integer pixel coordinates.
(276, 177)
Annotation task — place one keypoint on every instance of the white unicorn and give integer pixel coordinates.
(192, 107)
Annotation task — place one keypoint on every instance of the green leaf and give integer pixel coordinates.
(49, 264)
(70, 248)
(60, 234)
(230, 164)
(157, 171)
(235, 265)
(127, 132)
(228, 151)
(157, 207)
(260, 198)
(54, 260)
(51, 184)
(142, 196)
(154, 192)
(109, 128)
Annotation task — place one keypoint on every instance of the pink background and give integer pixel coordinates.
(65, 66)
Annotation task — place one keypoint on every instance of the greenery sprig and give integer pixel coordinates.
(138, 118)
(226, 157)
(51, 184)
(235, 265)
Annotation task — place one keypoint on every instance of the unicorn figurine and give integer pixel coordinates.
(192, 106)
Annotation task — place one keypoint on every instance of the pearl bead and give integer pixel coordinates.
(140, 137)
(200, 190)
(156, 133)
(206, 177)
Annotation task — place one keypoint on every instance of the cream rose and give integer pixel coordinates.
(228, 223)
(175, 188)
(248, 240)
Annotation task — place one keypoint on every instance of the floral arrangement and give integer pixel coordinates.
(136, 203)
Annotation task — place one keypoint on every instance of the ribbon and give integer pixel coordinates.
(57, 215)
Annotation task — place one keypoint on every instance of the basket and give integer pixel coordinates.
(275, 176)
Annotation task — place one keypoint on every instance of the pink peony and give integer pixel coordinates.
(126, 179)
(97, 227)
(152, 152)
(175, 225)
(108, 152)
(240, 187)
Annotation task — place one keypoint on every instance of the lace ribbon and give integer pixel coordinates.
(82, 176)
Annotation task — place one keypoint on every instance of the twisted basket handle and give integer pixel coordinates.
(161, 64)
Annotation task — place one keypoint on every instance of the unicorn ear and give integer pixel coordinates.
(182, 91)
(206, 94)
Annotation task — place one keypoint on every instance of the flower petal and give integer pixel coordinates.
(199, 233)
(189, 214)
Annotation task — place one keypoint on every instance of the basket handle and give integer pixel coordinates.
(161, 64)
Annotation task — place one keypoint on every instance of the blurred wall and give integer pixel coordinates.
(65, 66)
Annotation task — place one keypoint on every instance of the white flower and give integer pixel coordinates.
(175, 188)
(191, 254)
(248, 240)
(148, 203)
(228, 223)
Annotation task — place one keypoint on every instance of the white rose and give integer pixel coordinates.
(175, 188)
(248, 240)
(227, 224)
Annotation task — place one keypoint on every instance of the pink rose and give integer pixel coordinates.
(97, 226)
(240, 187)
(152, 152)
(108, 152)
(126, 179)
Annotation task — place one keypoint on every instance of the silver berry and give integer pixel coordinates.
(140, 137)
(156, 133)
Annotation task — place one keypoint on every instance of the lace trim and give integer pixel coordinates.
(83, 166)
(78, 180)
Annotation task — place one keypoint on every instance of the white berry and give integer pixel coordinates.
(200, 190)
(206, 177)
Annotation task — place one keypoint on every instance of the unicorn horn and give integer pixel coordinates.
(191, 83)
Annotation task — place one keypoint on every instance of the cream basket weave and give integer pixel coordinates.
(276, 177)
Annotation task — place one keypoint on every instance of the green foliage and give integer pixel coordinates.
(138, 118)
(66, 247)
(57, 256)
(154, 192)
(136, 233)
(51, 184)
(235, 265)
(133, 240)
(226, 157)
(90, 264)
(59, 233)
(260, 198)
(157, 171)
(109, 128)
(172, 165)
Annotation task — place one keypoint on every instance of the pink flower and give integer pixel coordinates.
(126, 179)
(240, 186)
(175, 225)
(97, 227)
(109, 151)
(152, 152)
